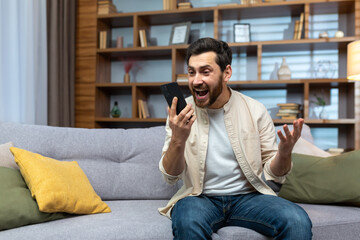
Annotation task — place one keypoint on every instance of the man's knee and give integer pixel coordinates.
(296, 222)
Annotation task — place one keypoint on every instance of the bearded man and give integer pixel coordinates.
(220, 145)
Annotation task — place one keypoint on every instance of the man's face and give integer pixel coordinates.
(205, 79)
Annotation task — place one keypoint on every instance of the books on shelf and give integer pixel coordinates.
(298, 28)
(106, 7)
(143, 39)
(184, 5)
(181, 77)
(288, 111)
(143, 109)
(103, 39)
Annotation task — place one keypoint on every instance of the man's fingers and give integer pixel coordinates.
(172, 111)
(287, 131)
(281, 136)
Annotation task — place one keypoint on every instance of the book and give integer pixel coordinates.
(182, 78)
(287, 111)
(143, 109)
(288, 105)
(228, 4)
(103, 39)
(335, 151)
(289, 117)
(143, 39)
(169, 4)
(296, 29)
(166, 5)
(301, 23)
(185, 5)
(106, 7)
(140, 107)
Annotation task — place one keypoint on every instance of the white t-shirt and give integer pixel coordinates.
(223, 175)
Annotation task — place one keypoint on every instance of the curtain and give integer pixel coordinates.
(23, 61)
(61, 62)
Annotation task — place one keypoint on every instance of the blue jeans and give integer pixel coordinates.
(197, 217)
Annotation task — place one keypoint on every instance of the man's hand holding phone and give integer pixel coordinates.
(181, 118)
(181, 114)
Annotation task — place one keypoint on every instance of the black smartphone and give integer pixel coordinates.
(171, 90)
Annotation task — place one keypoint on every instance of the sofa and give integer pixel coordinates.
(122, 167)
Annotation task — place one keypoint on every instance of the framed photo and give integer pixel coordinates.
(180, 33)
(242, 32)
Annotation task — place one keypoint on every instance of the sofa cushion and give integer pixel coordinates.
(6, 158)
(17, 207)
(128, 156)
(129, 220)
(333, 179)
(58, 186)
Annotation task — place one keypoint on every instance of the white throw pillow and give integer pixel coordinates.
(304, 147)
(6, 157)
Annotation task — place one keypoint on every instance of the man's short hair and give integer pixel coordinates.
(221, 48)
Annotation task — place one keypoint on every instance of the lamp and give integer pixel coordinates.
(353, 61)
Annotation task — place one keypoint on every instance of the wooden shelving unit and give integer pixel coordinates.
(94, 86)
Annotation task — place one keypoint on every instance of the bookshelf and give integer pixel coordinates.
(99, 76)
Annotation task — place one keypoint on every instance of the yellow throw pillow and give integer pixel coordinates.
(58, 186)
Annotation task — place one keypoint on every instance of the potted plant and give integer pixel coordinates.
(320, 102)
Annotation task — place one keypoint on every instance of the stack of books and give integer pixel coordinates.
(103, 39)
(184, 5)
(288, 111)
(143, 109)
(106, 7)
(298, 27)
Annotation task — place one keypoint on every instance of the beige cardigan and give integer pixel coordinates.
(251, 134)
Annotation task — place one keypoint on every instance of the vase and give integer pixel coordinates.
(273, 75)
(284, 72)
(115, 111)
(127, 78)
(323, 114)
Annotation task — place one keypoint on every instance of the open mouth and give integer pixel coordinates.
(201, 94)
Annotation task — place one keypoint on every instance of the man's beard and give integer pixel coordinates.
(213, 94)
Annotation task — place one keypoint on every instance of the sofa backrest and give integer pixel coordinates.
(120, 163)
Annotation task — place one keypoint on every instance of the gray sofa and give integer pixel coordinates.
(122, 166)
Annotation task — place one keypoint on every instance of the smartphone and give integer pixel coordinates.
(171, 90)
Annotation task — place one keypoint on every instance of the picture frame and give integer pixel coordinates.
(180, 33)
(242, 32)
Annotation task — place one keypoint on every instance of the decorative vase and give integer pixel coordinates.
(273, 75)
(115, 111)
(284, 72)
(127, 78)
(323, 114)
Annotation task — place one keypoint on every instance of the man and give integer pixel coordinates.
(219, 145)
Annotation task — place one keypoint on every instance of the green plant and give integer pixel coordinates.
(319, 101)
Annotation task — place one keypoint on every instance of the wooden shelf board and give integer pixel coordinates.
(228, 12)
(137, 52)
(269, 46)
